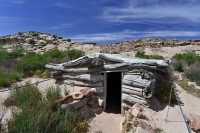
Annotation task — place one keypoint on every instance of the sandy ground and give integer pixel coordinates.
(106, 123)
(111, 123)
(175, 122)
(168, 52)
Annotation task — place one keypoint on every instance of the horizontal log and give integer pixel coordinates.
(132, 92)
(85, 84)
(132, 100)
(129, 66)
(120, 58)
(119, 66)
(133, 88)
(59, 67)
(134, 84)
(85, 77)
(84, 61)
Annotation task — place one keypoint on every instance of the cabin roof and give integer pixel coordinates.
(101, 59)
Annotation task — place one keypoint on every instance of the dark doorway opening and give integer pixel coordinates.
(113, 98)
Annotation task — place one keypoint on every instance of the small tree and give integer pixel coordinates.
(31, 41)
(69, 40)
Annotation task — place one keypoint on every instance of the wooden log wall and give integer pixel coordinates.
(91, 81)
(137, 86)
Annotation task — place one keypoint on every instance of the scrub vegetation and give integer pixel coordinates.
(35, 115)
(16, 65)
(141, 54)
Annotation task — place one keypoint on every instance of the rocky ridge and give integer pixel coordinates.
(41, 42)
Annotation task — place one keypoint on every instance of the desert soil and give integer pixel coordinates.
(111, 123)
(175, 122)
(106, 123)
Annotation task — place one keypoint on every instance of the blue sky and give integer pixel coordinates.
(103, 21)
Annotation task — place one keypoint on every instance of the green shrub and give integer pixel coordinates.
(141, 54)
(4, 55)
(8, 102)
(74, 54)
(17, 54)
(27, 97)
(69, 40)
(35, 34)
(190, 88)
(192, 68)
(164, 91)
(8, 76)
(37, 117)
(31, 41)
(31, 63)
(55, 53)
(189, 58)
(193, 73)
(53, 94)
(178, 66)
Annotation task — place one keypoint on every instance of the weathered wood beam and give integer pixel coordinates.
(85, 77)
(84, 61)
(85, 84)
(135, 84)
(133, 88)
(137, 78)
(132, 100)
(132, 92)
(59, 67)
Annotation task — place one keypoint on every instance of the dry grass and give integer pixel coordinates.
(36, 116)
(191, 89)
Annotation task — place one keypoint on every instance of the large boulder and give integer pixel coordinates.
(93, 102)
(76, 104)
(194, 122)
(87, 92)
(77, 95)
(136, 110)
(85, 113)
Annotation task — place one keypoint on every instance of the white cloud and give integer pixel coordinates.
(129, 35)
(154, 11)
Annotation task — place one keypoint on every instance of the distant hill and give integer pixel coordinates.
(41, 42)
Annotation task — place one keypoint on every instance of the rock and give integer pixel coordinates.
(136, 110)
(97, 110)
(76, 104)
(100, 101)
(144, 128)
(135, 123)
(65, 99)
(93, 102)
(6, 115)
(87, 92)
(77, 95)
(98, 90)
(85, 113)
(194, 122)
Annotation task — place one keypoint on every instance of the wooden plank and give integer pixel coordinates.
(85, 77)
(132, 100)
(85, 84)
